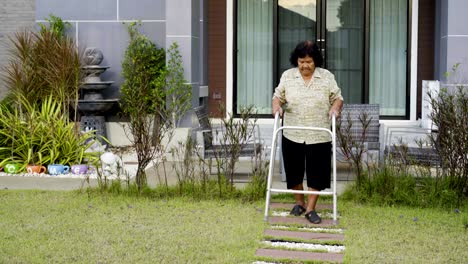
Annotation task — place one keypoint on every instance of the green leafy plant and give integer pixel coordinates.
(234, 134)
(354, 149)
(142, 94)
(152, 97)
(43, 134)
(178, 92)
(450, 115)
(56, 25)
(143, 67)
(186, 170)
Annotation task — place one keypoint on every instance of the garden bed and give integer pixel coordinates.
(68, 175)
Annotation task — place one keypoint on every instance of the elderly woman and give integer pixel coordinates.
(310, 96)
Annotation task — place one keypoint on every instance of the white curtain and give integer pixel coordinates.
(255, 54)
(388, 46)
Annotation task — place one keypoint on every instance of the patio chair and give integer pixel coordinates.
(410, 153)
(212, 148)
(351, 115)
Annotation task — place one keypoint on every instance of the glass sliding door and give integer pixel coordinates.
(296, 22)
(254, 55)
(345, 46)
(387, 56)
(364, 43)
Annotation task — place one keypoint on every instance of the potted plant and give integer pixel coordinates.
(80, 164)
(35, 166)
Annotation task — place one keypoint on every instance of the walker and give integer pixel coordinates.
(276, 130)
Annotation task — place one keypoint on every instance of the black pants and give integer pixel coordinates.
(314, 159)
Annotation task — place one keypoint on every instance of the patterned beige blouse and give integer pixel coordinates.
(307, 105)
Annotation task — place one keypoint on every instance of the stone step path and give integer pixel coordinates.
(299, 240)
(304, 235)
(300, 255)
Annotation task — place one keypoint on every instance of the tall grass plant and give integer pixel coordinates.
(44, 63)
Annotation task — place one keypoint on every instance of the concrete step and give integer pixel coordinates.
(303, 235)
(299, 255)
(299, 220)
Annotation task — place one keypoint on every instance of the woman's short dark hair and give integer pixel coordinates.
(305, 48)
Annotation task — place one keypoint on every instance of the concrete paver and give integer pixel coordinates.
(303, 242)
(299, 255)
(304, 235)
(296, 220)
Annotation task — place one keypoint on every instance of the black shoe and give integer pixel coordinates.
(313, 217)
(297, 210)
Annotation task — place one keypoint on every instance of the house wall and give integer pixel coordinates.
(15, 15)
(451, 38)
(100, 24)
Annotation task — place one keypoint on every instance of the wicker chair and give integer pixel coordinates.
(210, 149)
(351, 116)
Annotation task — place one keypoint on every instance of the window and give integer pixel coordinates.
(388, 56)
(254, 55)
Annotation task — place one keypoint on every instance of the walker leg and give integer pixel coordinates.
(270, 173)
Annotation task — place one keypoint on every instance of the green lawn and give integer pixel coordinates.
(67, 227)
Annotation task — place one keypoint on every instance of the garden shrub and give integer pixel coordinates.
(400, 181)
(390, 187)
(233, 134)
(450, 115)
(154, 97)
(354, 149)
(256, 188)
(42, 134)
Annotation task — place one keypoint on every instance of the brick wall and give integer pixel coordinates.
(216, 55)
(14, 15)
(426, 42)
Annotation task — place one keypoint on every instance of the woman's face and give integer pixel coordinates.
(306, 66)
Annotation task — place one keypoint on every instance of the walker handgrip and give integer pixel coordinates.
(275, 125)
